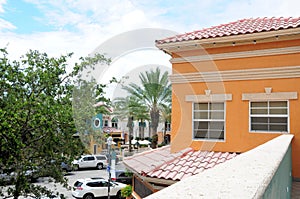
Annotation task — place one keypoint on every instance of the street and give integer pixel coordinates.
(73, 176)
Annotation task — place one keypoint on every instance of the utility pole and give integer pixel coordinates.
(109, 142)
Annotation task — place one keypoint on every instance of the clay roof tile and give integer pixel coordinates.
(161, 163)
(243, 26)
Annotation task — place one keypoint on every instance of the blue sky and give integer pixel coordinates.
(81, 26)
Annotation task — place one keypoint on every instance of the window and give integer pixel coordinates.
(88, 158)
(101, 157)
(105, 123)
(168, 126)
(209, 121)
(94, 184)
(114, 123)
(122, 175)
(270, 116)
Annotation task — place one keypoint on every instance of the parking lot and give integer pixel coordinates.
(73, 176)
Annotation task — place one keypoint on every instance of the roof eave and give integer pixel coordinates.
(225, 40)
(156, 180)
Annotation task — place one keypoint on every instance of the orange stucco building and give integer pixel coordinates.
(236, 86)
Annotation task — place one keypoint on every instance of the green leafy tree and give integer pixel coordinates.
(36, 120)
(142, 115)
(128, 107)
(87, 94)
(154, 91)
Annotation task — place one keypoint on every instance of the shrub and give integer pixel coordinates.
(126, 191)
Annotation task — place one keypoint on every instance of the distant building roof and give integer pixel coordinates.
(107, 129)
(244, 26)
(161, 163)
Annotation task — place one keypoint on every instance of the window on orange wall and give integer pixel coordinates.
(209, 121)
(269, 116)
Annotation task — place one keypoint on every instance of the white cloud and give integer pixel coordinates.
(2, 3)
(5, 25)
(81, 26)
(130, 66)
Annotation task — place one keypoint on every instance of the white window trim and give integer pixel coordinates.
(276, 96)
(208, 97)
(270, 132)
(209, 140)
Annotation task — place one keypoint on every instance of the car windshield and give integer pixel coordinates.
(77, 184)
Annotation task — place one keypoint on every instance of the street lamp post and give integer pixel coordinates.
(109, 142)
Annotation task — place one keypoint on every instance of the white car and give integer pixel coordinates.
(96, 187)
(90, 161)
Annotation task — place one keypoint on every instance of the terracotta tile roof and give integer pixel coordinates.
(244, 26)
(189, 164)
(149, 160)
(160, 163)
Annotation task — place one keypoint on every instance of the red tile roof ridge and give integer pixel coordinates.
(147, 152)
(241, 26)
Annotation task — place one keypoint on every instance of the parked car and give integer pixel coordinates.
(8, 176)
(124, 176)
(90, 161)
(66, 167)
(92, 188)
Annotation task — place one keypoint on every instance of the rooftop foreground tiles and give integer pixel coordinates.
(161, 163)
(245, 176)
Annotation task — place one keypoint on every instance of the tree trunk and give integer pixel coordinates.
(154, 114)
(143, 133)
(130, 127)
(140, 129)
(17, 191)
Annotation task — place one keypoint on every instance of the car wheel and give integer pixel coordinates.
(99, 166)
(118, 196)
(88, 196)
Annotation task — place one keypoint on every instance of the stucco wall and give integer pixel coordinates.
(281, 183)
(237, 135)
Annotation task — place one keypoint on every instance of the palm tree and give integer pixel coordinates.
(129, 108)
(166, 117)
(141, 114)
(154, 91)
